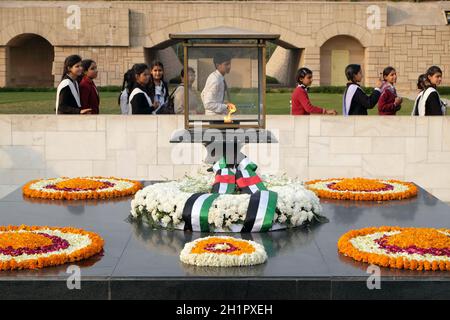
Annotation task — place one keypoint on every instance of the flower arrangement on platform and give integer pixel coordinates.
(397, 247)
(223, 252)
(162, 204)
(32, 247)
(80, 188)
(362, 189)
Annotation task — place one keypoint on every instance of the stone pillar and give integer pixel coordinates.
(311, 60)
(283, 65)
(3, 66)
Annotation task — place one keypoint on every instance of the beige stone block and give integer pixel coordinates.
(75, 146)
(389, 126)
(337, 126)
(164, 156)
(5, 131)
(34, 122)
(104, 168)
(421, 126)
(295, 167)
(428, 175)
(116, 132)
(435, 131)
(68, 168)
(280, 122)
(266, 156)
(185, 154)
(301, 132)
(167, 125)
(416, 150)
(388, 145)
(438, 157)
(350, 145)
(383, 166)
(101, 123)
(142, 172)
(319, 172)
(141, 123)
(446, 134)
(179, 171)
(314, 125)
(160, 172)
(76, 123)
(146, 150)
(28, 138)
(286, 138)
(126, 164)
(22, 157)
(294, 152)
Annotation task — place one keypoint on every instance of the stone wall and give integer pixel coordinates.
(415, 149)
(117, 33)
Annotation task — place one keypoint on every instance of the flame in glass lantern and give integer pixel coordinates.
(231, 109)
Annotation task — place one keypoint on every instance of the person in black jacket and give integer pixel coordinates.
(158, 88)
(139, 99)
(68, 92)
(433, 103)
(355, 101)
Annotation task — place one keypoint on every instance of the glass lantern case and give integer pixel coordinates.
(225, 77)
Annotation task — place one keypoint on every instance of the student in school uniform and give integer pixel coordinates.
(178, 95)
(122, 101)
(301, 105)
(215, 95)
(422, 84)
(158, 88)
(90, 98)
(355, 101)
(68, 91)
(429, 103)
(389, 103)
(139, 99)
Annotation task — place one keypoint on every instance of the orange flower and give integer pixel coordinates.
(347, 189)
(419, 237)
(94, 248)
(93, 189)
(241, 246)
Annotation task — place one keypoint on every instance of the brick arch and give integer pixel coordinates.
(39, 28)
(344, 29)
(289, 37)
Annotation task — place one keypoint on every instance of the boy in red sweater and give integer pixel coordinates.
(389, 103)
(301, 105)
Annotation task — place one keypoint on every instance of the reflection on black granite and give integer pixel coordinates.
(348, 212)
(173, 241)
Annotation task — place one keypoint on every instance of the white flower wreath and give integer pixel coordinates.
(161, 204)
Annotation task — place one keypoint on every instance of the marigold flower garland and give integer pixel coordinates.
(32, 247)
(223, 252)
(80, 188)
(397, 247)
(362, 189)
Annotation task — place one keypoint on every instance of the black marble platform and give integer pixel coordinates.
(139, 263)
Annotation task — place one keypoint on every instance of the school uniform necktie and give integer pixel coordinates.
(226, 93)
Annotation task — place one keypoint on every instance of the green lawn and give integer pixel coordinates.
(44, 103)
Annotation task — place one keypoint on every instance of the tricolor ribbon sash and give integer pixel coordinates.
(261, 207)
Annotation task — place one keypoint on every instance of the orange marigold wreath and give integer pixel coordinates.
(80, 188)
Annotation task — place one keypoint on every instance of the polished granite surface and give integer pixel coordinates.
(140, 262)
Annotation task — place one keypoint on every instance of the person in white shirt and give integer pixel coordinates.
(215, 93)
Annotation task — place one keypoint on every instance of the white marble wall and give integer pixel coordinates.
(37, 146)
